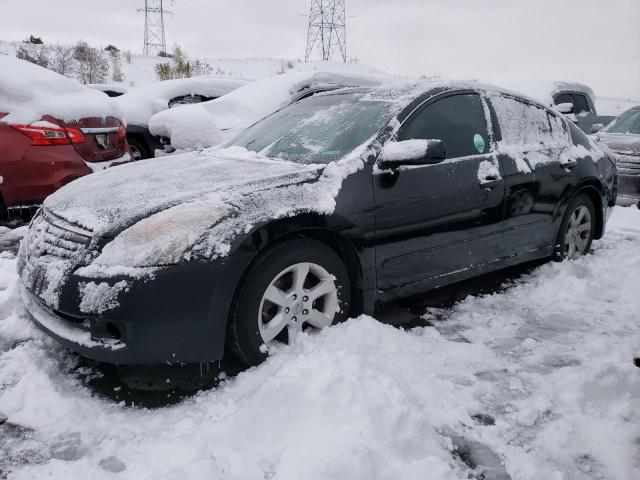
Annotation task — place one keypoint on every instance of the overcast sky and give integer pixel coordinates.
(593, 41)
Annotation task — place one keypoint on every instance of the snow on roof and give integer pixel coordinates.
(544, 90)
(140, 103)
(205, 124)
(28, 92)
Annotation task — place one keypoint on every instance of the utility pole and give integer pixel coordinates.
(327, 29)
(154, 39)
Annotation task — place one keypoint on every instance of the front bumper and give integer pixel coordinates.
(176, 315)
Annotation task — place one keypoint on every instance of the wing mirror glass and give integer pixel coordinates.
(596, 127)
(566, 108)
(412, 152)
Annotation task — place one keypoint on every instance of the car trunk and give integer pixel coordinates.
(101, 139)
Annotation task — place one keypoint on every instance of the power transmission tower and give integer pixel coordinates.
(327, 29)
(154, 39)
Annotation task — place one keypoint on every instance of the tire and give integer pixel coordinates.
(139, 150)
(577, 229)
(255, 320)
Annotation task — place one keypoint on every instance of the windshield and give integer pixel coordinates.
(628, 122)
(319, 129)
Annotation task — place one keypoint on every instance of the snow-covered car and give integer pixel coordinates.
(211, 123)
(52, 131)
(141, 103)
(109, 89)
(622, 137)
(324, 209)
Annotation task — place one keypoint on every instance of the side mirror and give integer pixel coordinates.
(565, 108)
(412, 152)
(596, 127)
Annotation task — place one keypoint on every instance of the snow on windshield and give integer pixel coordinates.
(318, 130)
(210, 123)
(28, 92)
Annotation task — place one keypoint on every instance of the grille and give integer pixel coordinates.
(54, 238)
(628, 164)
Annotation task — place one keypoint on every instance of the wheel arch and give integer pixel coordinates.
(593, 189)
(323, 229)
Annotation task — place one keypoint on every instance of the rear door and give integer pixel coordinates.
(435, 221)
(531, 143)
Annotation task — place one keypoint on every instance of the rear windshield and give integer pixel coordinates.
(319, 129)
(628, 122)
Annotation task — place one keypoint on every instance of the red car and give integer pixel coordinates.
(40, 155)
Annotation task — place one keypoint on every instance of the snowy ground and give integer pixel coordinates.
(532, 381)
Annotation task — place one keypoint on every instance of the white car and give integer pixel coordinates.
(141, 103)
(211, 123)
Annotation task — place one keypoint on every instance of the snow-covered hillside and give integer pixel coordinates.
(141, 69)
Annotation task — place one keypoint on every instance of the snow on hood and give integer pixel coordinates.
(139, 104)
(625, 143)
(210, 123)
(110, 201)
(28, 92)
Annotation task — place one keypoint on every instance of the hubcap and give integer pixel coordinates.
(578, 232)
(135, 153)
(302, 294)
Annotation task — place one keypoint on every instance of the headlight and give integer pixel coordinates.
(163, 238)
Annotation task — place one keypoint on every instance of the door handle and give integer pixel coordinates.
(489, 183)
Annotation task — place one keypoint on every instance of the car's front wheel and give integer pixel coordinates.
(578, 228)
(292, 287)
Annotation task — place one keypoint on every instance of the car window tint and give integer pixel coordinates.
(458, 120)
(580, 104)
(527, 125)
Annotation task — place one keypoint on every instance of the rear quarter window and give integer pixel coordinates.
(578, 137)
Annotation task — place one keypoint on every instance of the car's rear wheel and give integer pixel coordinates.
(139, 150)
(578, 228)
(295, 286)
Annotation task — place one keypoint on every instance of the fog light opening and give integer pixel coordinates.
(113, 331)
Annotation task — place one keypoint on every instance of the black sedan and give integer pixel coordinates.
(622, 136)
(323, 210)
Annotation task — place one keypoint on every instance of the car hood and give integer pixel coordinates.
(110, 201)
(628, 144)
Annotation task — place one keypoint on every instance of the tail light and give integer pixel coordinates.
(122, 134)
(50, 134)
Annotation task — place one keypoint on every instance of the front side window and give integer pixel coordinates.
(527, 125)
(458, 120)
(319, 130)
(628, 122)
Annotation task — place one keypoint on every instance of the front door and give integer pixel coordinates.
(436, 221)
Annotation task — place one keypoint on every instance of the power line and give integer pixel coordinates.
(327, 29)
(154, 37)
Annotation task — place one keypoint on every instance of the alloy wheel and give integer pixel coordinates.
(304, 294)
(578, 232)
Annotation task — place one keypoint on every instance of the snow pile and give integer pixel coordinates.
(140, 103)
(406, 150)
(28, 92)
(534, 382)
(209, 123)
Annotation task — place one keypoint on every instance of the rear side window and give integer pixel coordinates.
(580, 104)
(563, 98)
(458, 120)
(527, 125)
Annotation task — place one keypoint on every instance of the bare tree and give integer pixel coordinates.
(34, 53)
(93, 66)
(62, 60)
